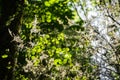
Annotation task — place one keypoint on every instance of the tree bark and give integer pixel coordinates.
(10, 18)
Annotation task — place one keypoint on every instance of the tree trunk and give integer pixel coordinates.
(9, 28)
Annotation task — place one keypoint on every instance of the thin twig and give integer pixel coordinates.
(110, 16)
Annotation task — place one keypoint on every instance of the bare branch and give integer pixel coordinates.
(110, 16)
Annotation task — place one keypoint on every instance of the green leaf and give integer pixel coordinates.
(89, 69)
(67, 56)
(57, 61)
(65, 61)
(32, 57)
(4, 56)
(47, 3)
(84, 78)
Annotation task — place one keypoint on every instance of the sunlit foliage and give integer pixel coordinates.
(55, 45)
